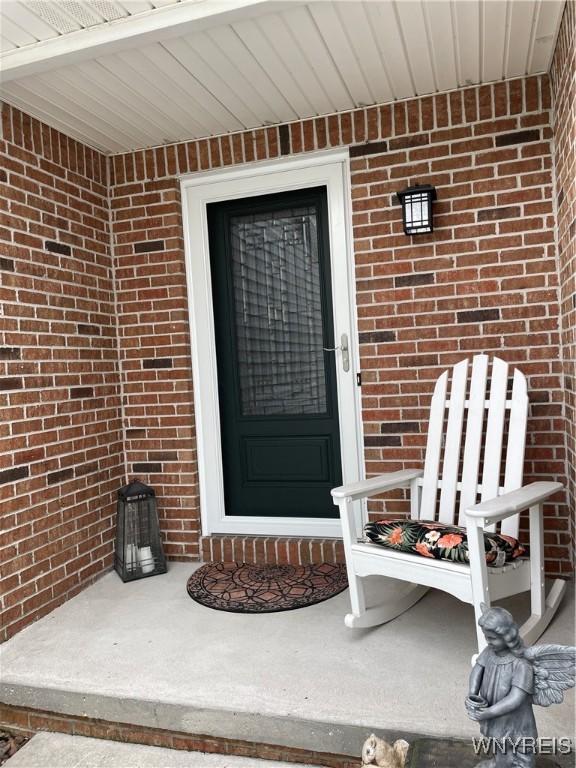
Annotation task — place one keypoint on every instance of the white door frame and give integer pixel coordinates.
(329, 169)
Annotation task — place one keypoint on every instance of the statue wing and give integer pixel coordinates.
(554, 672)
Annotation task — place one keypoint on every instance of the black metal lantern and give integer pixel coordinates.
(139, 550)
(416, 205)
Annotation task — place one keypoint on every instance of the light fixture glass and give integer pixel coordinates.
(416, 205)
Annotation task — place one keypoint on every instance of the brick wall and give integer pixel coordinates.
(60, 439)
(563, 77)
(155, 349)
(485, 280)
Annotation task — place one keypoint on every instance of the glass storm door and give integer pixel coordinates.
(270, 266)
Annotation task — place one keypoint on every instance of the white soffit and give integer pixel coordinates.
(127, 75)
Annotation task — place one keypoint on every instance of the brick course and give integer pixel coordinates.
(93, 273)
(30, 721)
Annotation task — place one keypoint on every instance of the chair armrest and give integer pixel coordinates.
(513, 502)
(374, 485)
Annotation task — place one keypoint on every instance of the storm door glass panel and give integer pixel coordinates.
(278, 312)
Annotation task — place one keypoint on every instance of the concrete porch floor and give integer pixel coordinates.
(145, 653)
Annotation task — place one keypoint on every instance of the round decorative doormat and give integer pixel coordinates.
(247, 588)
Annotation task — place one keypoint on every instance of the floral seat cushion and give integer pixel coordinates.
(442, 542)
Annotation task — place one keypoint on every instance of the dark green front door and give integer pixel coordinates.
(270, 267)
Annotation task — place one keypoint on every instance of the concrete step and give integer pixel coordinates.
(59, 750)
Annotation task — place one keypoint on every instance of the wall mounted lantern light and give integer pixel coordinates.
(416, 205)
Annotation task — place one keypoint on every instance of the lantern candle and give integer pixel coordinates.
(131, 559)
(146, 559)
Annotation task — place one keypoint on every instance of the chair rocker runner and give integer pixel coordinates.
(473, 402)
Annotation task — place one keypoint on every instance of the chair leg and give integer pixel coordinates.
(372, 617)
(478, 576)
(533, 627)
(479, 634)
(355, 584)
(542, 606)
(357, 598)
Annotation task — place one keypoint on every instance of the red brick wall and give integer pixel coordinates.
(563, 77)
(60, 428)
(485, 280)
(155, 351)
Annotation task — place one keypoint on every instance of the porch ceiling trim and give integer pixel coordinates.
(121, 34)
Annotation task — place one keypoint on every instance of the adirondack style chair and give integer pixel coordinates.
(482, 502)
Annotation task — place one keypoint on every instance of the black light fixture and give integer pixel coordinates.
(139, 550)
(416, 205)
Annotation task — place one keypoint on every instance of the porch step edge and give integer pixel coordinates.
(329, 745)
(278, 731)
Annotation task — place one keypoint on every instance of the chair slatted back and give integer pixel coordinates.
(475, 413)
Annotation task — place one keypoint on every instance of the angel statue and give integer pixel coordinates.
(506, 680)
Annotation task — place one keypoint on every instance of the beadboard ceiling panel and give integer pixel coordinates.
(122, 75)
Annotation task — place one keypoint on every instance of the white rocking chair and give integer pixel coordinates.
(475, 583)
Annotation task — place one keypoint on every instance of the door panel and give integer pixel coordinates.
(270, 270)
(292, 458)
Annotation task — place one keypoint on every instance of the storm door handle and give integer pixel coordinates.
(345, 351)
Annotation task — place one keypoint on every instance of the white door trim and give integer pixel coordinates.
(329, 169)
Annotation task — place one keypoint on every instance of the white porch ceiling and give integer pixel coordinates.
(138, 73)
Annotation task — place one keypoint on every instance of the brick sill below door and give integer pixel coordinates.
(271, 549)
